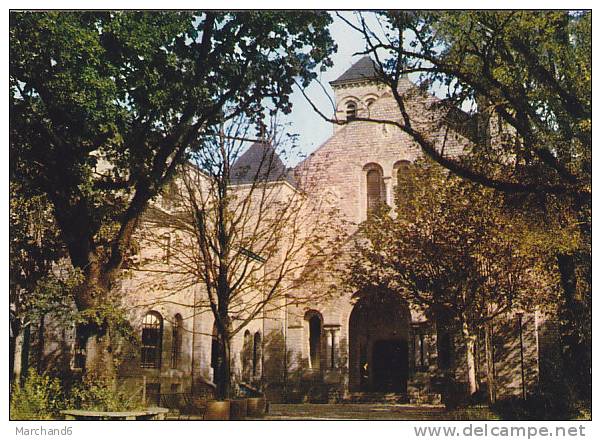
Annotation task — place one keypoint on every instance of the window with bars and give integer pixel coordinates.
(152, 335)
(176, 342)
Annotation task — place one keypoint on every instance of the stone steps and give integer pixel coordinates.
(394, 398)
(377, 397)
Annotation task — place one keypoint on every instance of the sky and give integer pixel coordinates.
(310, 127)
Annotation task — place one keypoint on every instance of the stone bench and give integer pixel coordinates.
(146, 414)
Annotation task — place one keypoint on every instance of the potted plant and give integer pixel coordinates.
(256, 406)
(217, 410)
(238, 408)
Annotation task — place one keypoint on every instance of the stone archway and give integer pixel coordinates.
(378, 344)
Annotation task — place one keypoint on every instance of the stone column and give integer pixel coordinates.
(388, 193)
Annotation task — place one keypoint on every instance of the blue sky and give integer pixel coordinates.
(310, 127)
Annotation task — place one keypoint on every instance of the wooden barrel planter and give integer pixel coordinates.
(217, 410)
(238, 409)
(256, 406)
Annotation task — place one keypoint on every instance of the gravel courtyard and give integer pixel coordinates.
(356, 411)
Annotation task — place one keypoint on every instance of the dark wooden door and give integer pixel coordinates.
(389, 366)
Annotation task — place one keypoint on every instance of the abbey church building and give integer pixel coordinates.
(346, 348)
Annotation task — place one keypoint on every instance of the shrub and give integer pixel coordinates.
(474, 412)
(100, 394)
(536, 407)
(40, 398)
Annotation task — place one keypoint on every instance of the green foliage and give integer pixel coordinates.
(530, 69)
(537, 407)
(101, 394)
(34, 238)
(111, 312)
(451, 246)
(53, 295)
(35, 247)
(473, 413)
(518, 84)
(105, 105)
(40, 398)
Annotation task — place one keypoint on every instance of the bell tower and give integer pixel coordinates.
(356, 90)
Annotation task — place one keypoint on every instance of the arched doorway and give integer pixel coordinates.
(378, 344)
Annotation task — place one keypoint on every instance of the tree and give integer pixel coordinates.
(524, 78)
(452, 248)
(105, 105)
(529, 68)
(239, 226)
(34, 251)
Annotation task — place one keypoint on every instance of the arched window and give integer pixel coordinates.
(152, 340)
(351, 111)
(256, 370)
(176, 340)
(370, 101)
(314, 322)
(375, 189)
(246, 356)
(315, 341)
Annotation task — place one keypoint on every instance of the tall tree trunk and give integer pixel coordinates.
(21, 355)
(15, 340)
(93, 293)
(574, 334)
(41, 345)
(100, 362)
(490, 364)
(223, 372)
(470, 345)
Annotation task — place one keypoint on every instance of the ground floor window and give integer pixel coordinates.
(152, 335)
(256, 364)
(176, 340)
(314, 325)
(246, 357)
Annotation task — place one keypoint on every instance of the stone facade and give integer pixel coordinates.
(340, 349)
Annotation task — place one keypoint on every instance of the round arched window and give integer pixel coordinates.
(152, 340)
(351, 111)
(375, 189)
(176, 340)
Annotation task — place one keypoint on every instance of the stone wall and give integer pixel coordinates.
(336, 172)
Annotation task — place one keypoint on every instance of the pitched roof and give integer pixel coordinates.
(260, 163)
(363, 69)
